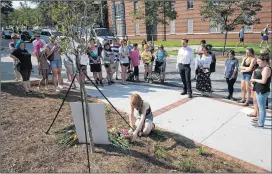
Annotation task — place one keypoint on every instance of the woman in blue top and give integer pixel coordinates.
(161, 56)
(95, 61)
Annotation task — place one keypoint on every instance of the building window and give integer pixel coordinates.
(190, 4)
(118, 12)
(215, 29)
(172, 4)
(249, 28)
(172, 27)
(119, 29)
(190, 26)
(136, 6)
(137, 28)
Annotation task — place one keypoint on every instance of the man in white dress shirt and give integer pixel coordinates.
(185, 60)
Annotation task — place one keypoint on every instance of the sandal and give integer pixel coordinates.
(241, 101)
(245, 104)
(251, 115)
(255, 119)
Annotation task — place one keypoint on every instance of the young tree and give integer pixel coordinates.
(229, 14)
(155, 12)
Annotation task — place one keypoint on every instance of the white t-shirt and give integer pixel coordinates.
(126, 51)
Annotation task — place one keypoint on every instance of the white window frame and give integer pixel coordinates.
(249, 28)
(217, 29)
(119, 29)
(137, 28)
(190, 32)
(172, 25)
(189, 3)
(118, 11)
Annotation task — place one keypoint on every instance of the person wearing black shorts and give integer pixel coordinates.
(94, 53)
(21, 55)
(241, 37)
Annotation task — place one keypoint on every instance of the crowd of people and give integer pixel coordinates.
(114, 57)
(255, 70)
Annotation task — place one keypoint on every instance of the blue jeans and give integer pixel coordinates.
(261, 100)
(56, 63)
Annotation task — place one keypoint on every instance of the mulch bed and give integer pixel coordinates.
(26, 148)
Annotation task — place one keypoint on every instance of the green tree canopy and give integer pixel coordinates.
(230, 14)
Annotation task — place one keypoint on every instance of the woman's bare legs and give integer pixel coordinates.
(248, 92)
(243, 91)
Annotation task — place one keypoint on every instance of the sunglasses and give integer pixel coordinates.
(13, 38)
(37, 36)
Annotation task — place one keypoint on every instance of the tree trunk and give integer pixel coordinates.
(224, 48)
(86, 108)
(152, 34)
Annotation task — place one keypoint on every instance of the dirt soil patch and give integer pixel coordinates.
(26, 148)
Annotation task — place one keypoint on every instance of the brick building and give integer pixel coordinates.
(187, 24)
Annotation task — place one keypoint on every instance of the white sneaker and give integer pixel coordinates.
(60, 86)
(57, 90)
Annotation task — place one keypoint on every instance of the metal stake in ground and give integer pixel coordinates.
(61, 104)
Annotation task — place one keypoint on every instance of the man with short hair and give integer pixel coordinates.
(241, 37)
(185, 60)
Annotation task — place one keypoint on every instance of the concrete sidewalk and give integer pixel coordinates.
(219, 125)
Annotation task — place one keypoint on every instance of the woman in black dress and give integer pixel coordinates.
(24, 66)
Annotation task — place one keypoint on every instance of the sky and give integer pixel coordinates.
(16, 4)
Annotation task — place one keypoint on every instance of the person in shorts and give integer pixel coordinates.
(53, 49)
(43, 66)
(265, 37)
(24, 66)
(144, 117)
(147, 58)
(94, 53)
(124, 60)
(241, 37)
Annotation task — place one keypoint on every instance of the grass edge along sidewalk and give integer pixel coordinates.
(217, 46)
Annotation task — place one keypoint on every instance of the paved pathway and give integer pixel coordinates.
(217, 124)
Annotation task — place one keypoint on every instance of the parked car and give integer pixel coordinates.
(99, 34)
(46, 33)
(7, 33)
(28, 36)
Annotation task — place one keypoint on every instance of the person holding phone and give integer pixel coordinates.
(231, 72)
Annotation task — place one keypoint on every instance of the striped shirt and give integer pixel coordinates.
(115, 49)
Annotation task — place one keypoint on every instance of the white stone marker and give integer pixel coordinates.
(97, 119)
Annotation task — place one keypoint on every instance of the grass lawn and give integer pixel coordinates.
(214, 43)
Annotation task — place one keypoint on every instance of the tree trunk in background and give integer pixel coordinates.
(225, 42)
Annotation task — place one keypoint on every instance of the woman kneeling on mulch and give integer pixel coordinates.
(144, 117)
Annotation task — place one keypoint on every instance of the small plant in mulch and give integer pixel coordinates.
(68, 137)
(108, 110)
(202, 151)
(160, 152)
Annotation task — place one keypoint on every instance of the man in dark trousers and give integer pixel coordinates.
(185, 60)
